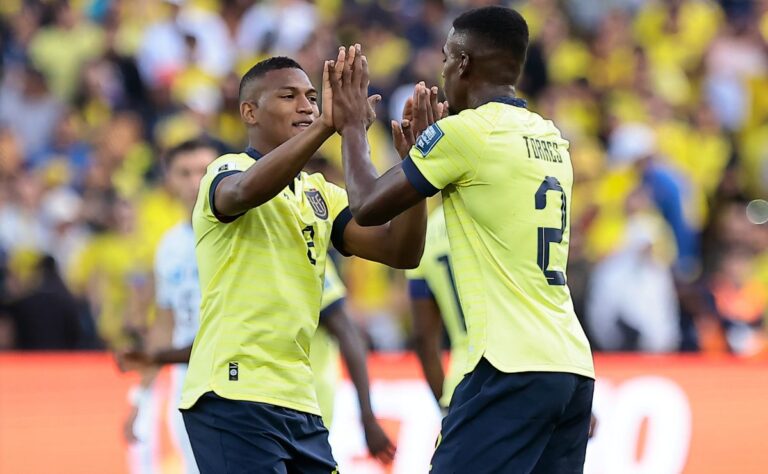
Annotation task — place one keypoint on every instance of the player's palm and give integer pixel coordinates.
(419, 112)
(349, 83)
(327, 95)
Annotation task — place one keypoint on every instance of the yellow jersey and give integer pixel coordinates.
(324, 353)
(434, 278)
(261, 278)
(506, 178)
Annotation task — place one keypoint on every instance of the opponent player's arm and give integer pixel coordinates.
(341, 328)
(427, 335)
(239, 192)
(171, 356)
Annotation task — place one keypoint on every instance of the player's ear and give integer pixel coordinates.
(464, 64)
(248, 113)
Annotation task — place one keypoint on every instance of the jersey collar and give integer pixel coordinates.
(253, 153)
(514, 101)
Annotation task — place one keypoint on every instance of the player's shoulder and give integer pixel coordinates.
(230, 162)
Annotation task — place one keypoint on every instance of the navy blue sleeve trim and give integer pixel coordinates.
(417, 179)
(212, 193)
(337, 232)
(419, 289)
(331, 308)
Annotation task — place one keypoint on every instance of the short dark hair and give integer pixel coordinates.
(263, 67)
(186, 147)
(497, 27)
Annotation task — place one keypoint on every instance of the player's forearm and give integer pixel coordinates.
(354, 354)
(428, 352)
(359, 173)
(375, 200)
(172, 356)
(271, 173)
(407, 233)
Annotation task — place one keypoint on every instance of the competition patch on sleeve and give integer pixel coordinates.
(429, 139)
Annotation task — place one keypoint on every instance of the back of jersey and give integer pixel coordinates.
(506, 178)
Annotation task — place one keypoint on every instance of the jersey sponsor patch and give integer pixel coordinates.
(317, 202)
(429, 139)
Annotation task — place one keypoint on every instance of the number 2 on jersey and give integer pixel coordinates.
(550, 235)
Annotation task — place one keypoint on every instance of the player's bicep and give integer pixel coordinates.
(224, 196)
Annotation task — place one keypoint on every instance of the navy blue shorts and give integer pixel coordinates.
(233, 437)
(528, 422)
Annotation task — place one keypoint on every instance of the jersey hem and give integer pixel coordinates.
(186, 404)
(571, 369)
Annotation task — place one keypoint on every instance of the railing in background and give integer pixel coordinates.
(657, 414)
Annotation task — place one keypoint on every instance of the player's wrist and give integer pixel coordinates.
(367, 416)
(354, 126)
(325, 126)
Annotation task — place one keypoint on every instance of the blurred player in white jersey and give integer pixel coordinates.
(177, 290)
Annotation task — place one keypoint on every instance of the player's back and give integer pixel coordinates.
(506, 177)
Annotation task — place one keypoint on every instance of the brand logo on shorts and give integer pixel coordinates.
(317, 202)
(233, 371)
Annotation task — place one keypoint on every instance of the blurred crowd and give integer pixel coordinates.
(664, 102)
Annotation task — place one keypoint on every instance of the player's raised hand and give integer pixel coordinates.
(402, 137)
(330, 69)
(419, 112)
(351, 105)
(373, 101)
(378, 442)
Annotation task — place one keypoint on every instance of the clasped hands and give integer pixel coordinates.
(347, 106)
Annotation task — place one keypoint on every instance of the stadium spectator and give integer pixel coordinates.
(44, 315)
(29, 109)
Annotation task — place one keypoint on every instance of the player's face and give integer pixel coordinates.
(454, 87)
(186, 171)
(287, 105)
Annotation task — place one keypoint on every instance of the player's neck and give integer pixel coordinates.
(260, 144)
(484, 93)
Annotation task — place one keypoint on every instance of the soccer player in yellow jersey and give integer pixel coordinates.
(505, 174)
(434, 305)
(262, 229)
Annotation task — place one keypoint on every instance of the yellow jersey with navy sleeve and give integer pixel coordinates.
(261, 278)
(506, 178)
(434, 278)
(324, 353)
